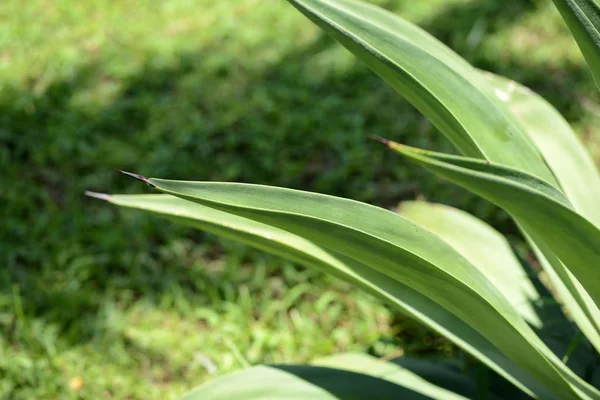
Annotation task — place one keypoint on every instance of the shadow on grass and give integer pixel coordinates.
(301, 122)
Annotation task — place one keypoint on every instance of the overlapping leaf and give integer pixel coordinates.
(545, 213)
(489, 251)
(484, 247)
(444, 87)
(564, 153)
(471, 111)
(283, 243)
(368, 365)
(397, 248)
(571, 293)
(579, 180)
(538, 177)
(300, 382)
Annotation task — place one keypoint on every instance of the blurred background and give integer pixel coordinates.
(98, 302)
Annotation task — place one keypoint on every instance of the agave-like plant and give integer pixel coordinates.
(438, 265)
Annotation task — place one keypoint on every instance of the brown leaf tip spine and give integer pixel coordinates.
(380, 139)
(96, 195)
(138, 177)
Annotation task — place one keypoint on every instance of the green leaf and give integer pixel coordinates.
(395, 373)
(531, 201)
(399, 249)
(578, 177)
(453, 95)
(566, 238)
(571, 293)
(300, 382)
(484, 247)
(283, 243)
(459, 376)
(564, 153)
(459, 101)
(494, 257)
(572, 346)
(583, 19)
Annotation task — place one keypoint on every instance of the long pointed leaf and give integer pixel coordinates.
(397, 248)
(295, 248)
(444, 87)
(578, 177)
(531, 201)
(564, 153)
(489, 251)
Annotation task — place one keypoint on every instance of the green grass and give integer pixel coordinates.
(234, 90)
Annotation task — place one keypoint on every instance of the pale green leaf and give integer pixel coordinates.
(531, 202)
(489, 251)
(578, 177)
(397, 248)
(571, 293)
(295, 248)
(544, 212)
(300, 382)
(484, 247)
(564, 153)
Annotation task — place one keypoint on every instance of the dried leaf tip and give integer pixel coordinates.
(380, 139)
(138, 177)
(95, 195)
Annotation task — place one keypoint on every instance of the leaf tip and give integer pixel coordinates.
(138, 177)
(380, 140)
(96, 195)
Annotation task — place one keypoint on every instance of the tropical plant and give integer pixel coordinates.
(438, 265)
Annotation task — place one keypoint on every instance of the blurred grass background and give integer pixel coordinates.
(97, 302)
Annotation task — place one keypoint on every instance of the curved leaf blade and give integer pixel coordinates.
(300, 382)
(282, 243)
(368, 365)
(396, 247)
(531, 201)
(489, 251)
(583, 19)
(484, 247)
(573, 296)
(578, 177)
(439, 83)
(564, 153)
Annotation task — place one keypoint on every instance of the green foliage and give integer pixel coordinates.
(583, 19)
(434, 277)
(238, 95)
